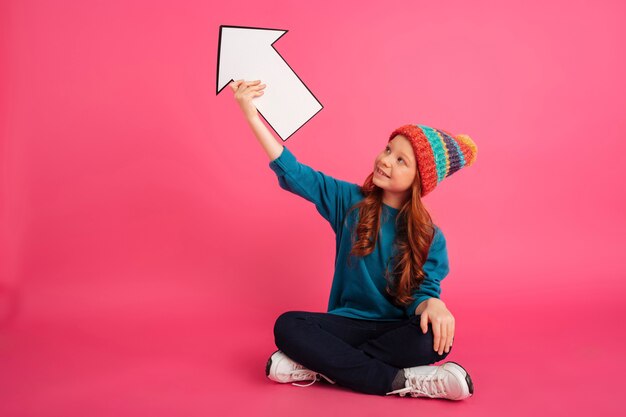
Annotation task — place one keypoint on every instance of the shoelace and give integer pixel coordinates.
(425, 385)
(302, 373)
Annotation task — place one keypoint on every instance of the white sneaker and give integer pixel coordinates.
(449, 381)
(281, 368)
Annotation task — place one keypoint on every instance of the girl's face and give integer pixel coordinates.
(399, 167)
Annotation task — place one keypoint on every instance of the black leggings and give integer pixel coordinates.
(363, 355)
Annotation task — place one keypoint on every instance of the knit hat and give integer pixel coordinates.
(438, 153)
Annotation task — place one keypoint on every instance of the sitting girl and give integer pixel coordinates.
(385, 325)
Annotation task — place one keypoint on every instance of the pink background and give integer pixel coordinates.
(146, 248)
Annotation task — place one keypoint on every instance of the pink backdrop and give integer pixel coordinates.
(146, 247)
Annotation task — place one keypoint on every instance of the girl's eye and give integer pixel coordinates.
(387, 148)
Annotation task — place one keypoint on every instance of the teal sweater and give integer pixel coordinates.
(358, 289)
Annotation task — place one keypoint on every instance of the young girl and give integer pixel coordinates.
(385, 323)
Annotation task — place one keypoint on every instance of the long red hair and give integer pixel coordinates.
(414, 234)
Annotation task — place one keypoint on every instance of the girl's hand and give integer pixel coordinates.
(244, 93)
(442, 322)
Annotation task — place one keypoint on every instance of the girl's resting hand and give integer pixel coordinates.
(244, 93)
(442, 322)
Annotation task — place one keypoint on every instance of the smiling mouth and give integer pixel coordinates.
(381, 172)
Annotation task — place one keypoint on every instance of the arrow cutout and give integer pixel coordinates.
(248, 53)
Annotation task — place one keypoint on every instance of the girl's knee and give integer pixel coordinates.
(422, 346)
(285, 322)
(436, 356)
(442, 356)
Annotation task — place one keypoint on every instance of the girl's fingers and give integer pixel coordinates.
(437, 336)
(424, 322)
(255, 91)
(448, 339)
(443, 340)
(451, 335)
(250, 83)
(247, 90)
(245, 87)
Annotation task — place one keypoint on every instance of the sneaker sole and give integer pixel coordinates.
(272, 366)
(468, 380)
(269, 365)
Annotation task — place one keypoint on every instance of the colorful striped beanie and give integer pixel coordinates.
(438, 153)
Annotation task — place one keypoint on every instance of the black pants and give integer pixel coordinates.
(363, 355)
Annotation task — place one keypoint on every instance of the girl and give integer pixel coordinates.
(370, 339)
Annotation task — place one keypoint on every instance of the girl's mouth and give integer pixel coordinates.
(380, 172)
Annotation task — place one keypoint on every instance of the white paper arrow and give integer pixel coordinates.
(248, 53)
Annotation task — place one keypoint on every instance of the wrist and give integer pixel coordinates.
(252, 117)
(424, 304)
(421, 307)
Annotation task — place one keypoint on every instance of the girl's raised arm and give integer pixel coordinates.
(244, 93)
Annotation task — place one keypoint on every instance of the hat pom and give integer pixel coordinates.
(469, 148)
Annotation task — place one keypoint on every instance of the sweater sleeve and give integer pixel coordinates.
(435, 269)
(329, 195)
